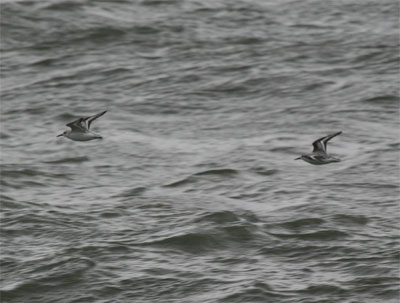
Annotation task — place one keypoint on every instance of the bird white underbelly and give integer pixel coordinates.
(83, 136)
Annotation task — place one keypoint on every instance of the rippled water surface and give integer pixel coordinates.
(193, 195)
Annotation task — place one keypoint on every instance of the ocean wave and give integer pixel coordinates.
(351, 219)
(30, 172)
(391, 99)
(263, 171)
(324, 289)
(79, 159)
(214, 232)
(136, 191)
(256, 292)
(211, 175)
(322, 235)
(219, 217)
(45, 277)
(194, 242)
(298, 223)
(64, 5)
(219, 172)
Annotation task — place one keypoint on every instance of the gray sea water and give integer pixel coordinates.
(193, 195)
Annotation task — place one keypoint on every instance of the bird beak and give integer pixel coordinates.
(60, 135)
(298, 158)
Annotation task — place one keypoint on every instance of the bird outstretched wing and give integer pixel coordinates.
(83, 124)
(320, 145)
(88, 120)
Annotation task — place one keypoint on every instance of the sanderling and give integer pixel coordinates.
(80, 129)
(319, 155)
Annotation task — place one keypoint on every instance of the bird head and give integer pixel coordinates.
(63, 134)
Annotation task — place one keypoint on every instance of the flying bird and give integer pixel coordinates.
(80, 129)
(319, 155)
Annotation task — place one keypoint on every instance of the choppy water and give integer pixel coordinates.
(193, 194)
